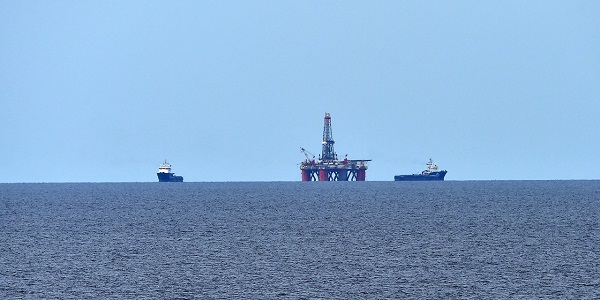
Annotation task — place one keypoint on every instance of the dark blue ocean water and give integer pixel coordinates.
(301, 240)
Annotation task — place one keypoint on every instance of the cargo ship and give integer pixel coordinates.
(164, 173)
(430, 174)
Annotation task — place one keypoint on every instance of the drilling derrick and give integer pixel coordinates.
(328, 167)
(328, 152)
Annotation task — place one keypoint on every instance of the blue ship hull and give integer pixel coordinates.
(169, 177)
(433, 176)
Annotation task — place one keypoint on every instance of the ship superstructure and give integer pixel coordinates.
(165, 175)
(327, 167)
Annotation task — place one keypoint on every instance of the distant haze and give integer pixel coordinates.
(104, 91)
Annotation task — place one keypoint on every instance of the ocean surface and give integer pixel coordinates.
(301, 240)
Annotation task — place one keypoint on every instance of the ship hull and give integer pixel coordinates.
(169, 177)
(433, 176)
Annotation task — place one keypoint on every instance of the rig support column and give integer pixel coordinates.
(323, 175)
(305, 175)
(361, 175)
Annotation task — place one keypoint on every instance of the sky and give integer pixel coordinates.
(104, 91)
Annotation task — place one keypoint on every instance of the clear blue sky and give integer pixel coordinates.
(95, 91)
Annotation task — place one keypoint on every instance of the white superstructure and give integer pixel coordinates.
(431, 167)
(165, 167)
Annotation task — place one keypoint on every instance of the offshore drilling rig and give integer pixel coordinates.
(328, 167)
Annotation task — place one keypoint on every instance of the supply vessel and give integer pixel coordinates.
(165, 175)
(430, 174)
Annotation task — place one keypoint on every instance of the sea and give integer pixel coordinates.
(301, 240)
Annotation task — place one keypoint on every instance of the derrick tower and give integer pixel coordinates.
(328, 167)
(328, 152)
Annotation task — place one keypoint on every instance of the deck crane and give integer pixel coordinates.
(306, 153)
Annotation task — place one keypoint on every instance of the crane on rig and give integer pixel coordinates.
(307, 153)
